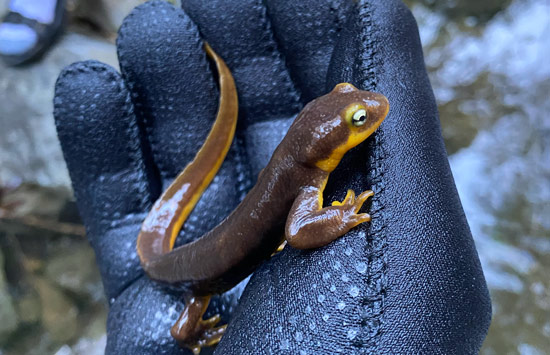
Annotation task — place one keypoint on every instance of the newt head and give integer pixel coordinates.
(332, 124)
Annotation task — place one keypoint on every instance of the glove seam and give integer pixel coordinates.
(375, 285)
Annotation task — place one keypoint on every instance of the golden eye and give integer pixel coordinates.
(359, 117)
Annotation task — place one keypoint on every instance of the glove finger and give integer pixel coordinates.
(306, 32)
(164, 63)
(241, 34)
(111, 180)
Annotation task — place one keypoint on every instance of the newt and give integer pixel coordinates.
(286, 202)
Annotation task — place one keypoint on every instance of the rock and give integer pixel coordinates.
(40, 201)
(107, 15)
(85, 347)
(92, 340)
(28, 308)
(29, 149)
(91, 347)
(64, 350)
(118, 9)
(8, 316)
(59, 313)
(95, 327)
(76, 272)
(17, 271)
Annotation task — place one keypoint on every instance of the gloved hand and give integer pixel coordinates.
(409, 282)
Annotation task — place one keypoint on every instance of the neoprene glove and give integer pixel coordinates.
(409, 282)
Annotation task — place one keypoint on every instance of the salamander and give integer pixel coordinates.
(286, 203)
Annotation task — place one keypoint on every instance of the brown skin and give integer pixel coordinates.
(286, 202)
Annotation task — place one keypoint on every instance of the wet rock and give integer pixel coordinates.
(8, 316)
(95, 327)
(17, 272)
(118, 9)
(482, 11)
(29, 149)
(103, 16)
(85, 347)
(107, 15)
(32, 199)
(91, 347)
(28, 307)
(59, 313)
(75, 271)
(92, 340)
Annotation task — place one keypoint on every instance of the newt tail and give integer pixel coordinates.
(161, 227)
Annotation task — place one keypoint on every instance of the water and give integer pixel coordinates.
(488, 63)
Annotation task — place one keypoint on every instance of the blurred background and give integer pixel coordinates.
(489, 67)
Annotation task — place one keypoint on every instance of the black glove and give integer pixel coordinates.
(409, 282)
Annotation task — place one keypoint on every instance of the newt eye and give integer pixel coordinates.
(359, 117)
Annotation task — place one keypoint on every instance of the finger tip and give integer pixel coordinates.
(85, 89)
(158, 32)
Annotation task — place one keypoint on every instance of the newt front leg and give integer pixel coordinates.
(311, 226)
